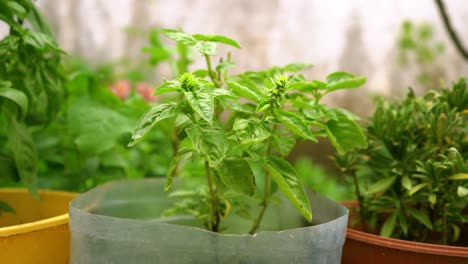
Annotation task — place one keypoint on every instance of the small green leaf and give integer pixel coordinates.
(416, 188)
(343, 80)
(456, 232)
(462, 191)
(345, 134)
(202, 73)
(432, 199)
(459, 176)
(403, 222)
(207, 48)
(17, 96)
(421, 217)
(295, 123)
(237, 175)
(211, 143)
(389, 225)
(295, 67)
(263, 106)
(167, 86)
(441, 125)
(225, 65)
(17, 8)
(217, 38)
(289, 183)
(381, 185)
(406, 182)
(179, 36)
(250, 132)
(202, 103)
(247, 91)
(4, 207)
(152, 117)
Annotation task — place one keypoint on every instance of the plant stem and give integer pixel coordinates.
(263, 205)
(264, 202)
(211, 72)
(215, 219)
(448, 26)
(360, 200)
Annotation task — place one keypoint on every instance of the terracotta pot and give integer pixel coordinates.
(361, 247)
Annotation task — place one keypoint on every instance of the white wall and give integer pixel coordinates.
(354, 35)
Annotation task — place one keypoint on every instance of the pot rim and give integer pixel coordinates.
(403, 244)
(40, 224)
(85, 211)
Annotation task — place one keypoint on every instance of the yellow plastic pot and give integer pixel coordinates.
(38, 231)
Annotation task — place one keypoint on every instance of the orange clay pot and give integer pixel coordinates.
(361, 247)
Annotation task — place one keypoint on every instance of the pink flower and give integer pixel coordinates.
(146, 91)
(121, 88)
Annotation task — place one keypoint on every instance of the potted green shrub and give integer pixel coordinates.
(412, 181)
(230, 136)
(30, 95)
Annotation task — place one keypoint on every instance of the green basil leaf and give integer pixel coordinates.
(95, 127)
(250, 92)
(389, 225)
(17, 96)
(237, 175)
(250, 132)
(207, 47)
(381, 185)
(202, 73)
(24, 154)
(289, 183)
(421, 217)
(210, 143)
(40, 41)
(217, 38)
(343, 80)
(298, 66)
(202, 103)
(179, 36)
(17, 8)
(153, 116)
(263, 106)
(295, 123)
(167, 86)
(345, 134)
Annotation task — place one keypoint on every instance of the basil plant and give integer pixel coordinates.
(234, 131)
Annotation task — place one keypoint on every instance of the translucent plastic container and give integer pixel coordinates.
(120, 222)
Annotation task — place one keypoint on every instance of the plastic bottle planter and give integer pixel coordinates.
(38, 230)
(119, 223)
